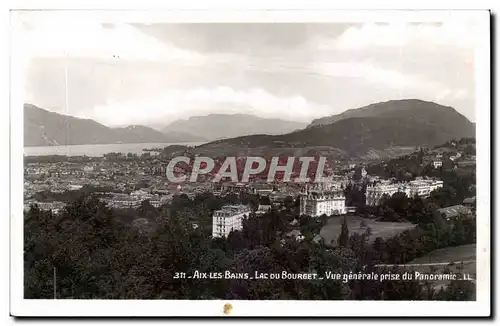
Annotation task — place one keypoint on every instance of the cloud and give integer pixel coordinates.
(368, 72)
(176, 104)
(241, 38)
(449, 94)
(80, 36)
(433, 61)
(127, 74)
(459, 34)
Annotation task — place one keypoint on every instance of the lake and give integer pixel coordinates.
(96, 149)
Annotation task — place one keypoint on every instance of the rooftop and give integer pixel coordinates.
(233, 208)
(325, 194)
(294, 233)
(454, 211)
(470, 200)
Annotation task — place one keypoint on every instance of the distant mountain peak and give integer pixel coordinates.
(379, 126)
(387, 109)
(42, 128)
(220, 126)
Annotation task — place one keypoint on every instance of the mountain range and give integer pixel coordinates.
(398, 123)
(376, 127)
(45, 128)
(220, 126)
(408, 109)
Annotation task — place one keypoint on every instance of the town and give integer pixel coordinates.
(127, 183)
(264, 158)
(132, 182)
(374, 202)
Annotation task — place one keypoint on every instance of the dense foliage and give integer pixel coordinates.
(102, 253)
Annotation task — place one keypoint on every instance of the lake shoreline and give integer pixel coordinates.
(98, 150)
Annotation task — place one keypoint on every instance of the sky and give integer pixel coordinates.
(152, 74)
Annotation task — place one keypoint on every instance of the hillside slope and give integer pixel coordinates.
(220, 126)
(45, 128)
(417, 123)
(412, 109)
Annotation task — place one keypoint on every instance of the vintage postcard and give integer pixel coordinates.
(250, 163)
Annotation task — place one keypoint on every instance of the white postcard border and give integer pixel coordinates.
(481, 307)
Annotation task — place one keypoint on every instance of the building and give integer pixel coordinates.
(159, 201)
(118, 200)
(229, 218)
(452, 212)
(295, 234)
(139, 193)
(470, 202)
(74, 187)
(55, 207)
(350, 209)
(317, 239)
(437, 164)
(375, 193)
(123, 203)
(466, 163)
(264, 206)
(332, 183)
(316, 203)
(422, 188)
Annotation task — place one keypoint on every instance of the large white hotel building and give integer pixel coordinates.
(320, 199)
(229, 218)
(422, 188)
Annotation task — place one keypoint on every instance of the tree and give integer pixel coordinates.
(344, 234)
(147, 210)
(357, 174)
(355, 195)
(457, 290)
(289, 201)
(99, 254)
(398, 202)
(470, 150)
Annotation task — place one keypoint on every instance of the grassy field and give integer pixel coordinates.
(388, 153)
(450, 254)
(459, 260)
(462, 259)
(331, 230)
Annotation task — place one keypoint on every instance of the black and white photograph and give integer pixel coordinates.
(250, 164)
